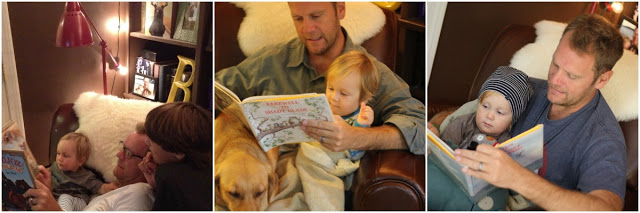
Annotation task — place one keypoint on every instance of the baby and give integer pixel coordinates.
(71, 183)
(502, 98)
(352, 80)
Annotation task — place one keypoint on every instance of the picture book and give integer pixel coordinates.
(274, 120)
(17, 178)
(18, 168)
(525, 148)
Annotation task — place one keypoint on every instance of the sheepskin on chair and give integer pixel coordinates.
(621, 92)
(106, 120)
(270, 23)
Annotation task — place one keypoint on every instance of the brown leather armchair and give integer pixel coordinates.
(386, 180)
(510, 40)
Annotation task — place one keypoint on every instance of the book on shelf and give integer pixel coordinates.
(163, 72)
(18, 168)
(274, 120)
(525, 148)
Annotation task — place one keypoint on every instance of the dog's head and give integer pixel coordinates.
(244, 183)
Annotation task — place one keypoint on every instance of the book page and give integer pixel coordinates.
(228, 102)
(276, 121)
(278, 97)
(526, 148)
(442, 156)
(14, 139)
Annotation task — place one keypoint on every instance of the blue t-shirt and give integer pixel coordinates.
(585, 150)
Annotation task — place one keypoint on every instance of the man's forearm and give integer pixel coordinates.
(379, 138)
(552, 197)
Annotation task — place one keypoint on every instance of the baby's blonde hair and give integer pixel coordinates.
(363, 65)
(81, 142)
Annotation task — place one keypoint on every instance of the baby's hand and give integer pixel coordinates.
(107, 187)
(366, 115)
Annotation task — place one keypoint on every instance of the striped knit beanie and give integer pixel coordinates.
(513, 84)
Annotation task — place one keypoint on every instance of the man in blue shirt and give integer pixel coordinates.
(584, 143)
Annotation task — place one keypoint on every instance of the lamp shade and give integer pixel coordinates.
(73, 30)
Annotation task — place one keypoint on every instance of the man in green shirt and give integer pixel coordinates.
(299, 65)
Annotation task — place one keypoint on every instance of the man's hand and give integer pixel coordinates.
(498, 168)
(365, 117)
(41, 198)
(336, 135)
(148, 167)
(44, 176)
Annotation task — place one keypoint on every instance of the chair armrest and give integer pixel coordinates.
(64, 121)
(390, 180)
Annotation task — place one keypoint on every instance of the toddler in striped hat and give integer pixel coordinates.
(502, 98)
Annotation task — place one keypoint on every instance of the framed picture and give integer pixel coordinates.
(158, 18)
(187, 21)
(145, 86)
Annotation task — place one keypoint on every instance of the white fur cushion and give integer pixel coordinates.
(269, 23)
(621, 92)
(106, 120)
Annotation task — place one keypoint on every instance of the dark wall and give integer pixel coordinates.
(48, 75)
(468, 31)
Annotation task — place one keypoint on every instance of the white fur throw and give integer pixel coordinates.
(621, 92)
(269, 23)
(106, 120)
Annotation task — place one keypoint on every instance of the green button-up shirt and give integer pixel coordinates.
(285, 69)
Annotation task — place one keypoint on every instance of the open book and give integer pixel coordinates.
(18, 168)
(274, 120)
(525, 148)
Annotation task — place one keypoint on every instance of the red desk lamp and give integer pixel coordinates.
(74, 31)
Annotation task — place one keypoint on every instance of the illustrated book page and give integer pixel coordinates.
(275, 120)
(525, 148)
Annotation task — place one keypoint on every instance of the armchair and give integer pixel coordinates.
(386, 180)
(511, 39)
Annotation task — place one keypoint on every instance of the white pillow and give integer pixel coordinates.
(270, 23)
(621, 92)
(106, 120)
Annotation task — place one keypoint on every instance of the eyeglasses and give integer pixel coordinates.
(127, 153)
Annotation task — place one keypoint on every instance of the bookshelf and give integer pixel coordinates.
(201, 90)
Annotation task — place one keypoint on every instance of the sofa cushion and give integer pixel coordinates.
(362, 21)
(106, 120)
(621, 92)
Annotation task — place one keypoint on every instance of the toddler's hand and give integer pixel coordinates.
(107, 187)
(148, 167)
(366, 115)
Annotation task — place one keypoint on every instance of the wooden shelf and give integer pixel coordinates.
(201, 91)
(176, 42)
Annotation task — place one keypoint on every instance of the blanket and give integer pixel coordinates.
(312, 178)
(106, 120)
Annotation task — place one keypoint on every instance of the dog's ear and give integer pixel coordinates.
(219, 200)
(274, 185)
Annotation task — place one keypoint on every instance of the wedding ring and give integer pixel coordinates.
(322, 139)
(32, 201)
(480, 166)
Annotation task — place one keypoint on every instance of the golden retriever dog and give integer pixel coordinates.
(245, 179)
